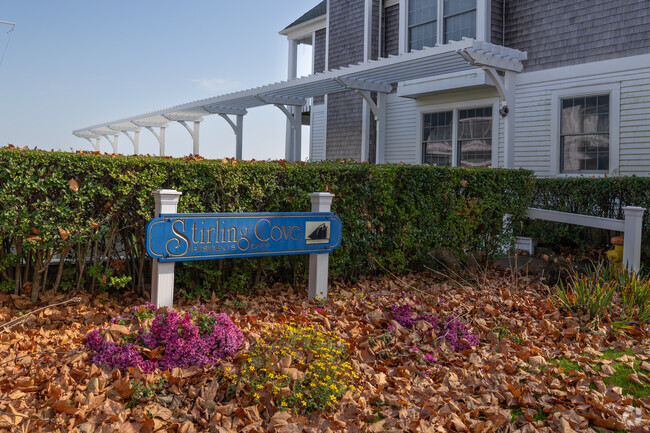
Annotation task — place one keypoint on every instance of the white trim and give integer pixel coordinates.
(327, 36)
(304, 29)
(614, 91)
(483, 23)
(403, 27)
(439, 83)
(585, 69)
(455, 107)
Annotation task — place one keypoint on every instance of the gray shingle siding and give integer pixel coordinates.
(320, 40)
(374, 46)
(561, 33)
(346, 32)
(390, 33)
(496, 22)
(346, 18)
(344, 125)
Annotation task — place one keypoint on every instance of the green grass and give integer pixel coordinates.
(619, 378)
(515, 413)
(565, 364)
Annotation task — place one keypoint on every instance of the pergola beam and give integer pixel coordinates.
(221, 109)
(372, 86)
(281, 100)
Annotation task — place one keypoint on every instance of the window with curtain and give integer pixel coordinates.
(471, 143)
(584, 134)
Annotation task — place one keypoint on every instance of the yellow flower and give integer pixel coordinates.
(260, 386)
(298, 395)
(303, 402)
(251, 368)
(256, 395)
(283, 404)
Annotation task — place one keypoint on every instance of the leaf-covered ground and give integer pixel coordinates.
(534, 369)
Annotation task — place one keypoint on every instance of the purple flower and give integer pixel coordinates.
(193, 338)
(452, 329)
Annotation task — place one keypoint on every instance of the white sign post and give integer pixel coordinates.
(319, 263)
(162, 279)
(162, 274)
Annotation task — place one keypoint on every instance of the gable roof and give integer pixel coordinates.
(317, 11)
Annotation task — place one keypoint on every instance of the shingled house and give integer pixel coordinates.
(559, 87)
(579, 105)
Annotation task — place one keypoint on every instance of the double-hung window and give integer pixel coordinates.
(584, 134)
(430, 21)
(459, 137)
(585, 129)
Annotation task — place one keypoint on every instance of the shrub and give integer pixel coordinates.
(299, 366)
(603, 197)
(82, 206)
(164, 338)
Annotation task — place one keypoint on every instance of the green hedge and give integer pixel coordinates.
(92, 210)
(603, 197)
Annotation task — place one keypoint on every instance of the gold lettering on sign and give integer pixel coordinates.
(179, 237)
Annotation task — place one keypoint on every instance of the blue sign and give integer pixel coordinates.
(181, 237)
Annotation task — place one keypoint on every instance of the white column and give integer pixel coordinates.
(509, 121)
(114, 142)
(292, 73)
(297, 141)
(239, 140)
(96, 145)
(633, 232)
(318, 263)
(381, 128)
(162, 274)
(161, 140)
(195, 138)
(136, 142)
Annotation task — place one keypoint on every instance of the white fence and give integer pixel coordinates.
(631, 226)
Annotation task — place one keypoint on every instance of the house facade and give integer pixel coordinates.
(579, 106)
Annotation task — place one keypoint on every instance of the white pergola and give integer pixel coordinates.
(500, 63)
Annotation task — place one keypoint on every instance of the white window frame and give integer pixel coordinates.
(482, 23)
(456, 107)
(614, 92)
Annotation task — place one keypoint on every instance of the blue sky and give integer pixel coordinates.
(76, 63)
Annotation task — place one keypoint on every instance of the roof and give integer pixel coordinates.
(375, 75)
(317, 11)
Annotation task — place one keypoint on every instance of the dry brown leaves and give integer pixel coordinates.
(47, 382)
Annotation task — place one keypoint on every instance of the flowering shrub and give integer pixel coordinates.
(165, 339)
(300, 367)
(451, 328)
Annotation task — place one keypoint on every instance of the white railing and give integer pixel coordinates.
(631, 226)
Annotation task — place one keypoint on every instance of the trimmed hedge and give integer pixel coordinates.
(92, 209)
(603, 197)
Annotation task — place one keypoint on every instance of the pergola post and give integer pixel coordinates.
(160, 137)
(284, 103)
(380, 118)
(239, 132)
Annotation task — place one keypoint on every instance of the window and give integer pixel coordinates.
(461, 137)
(423, 23)
(584, 134)
(459, 19)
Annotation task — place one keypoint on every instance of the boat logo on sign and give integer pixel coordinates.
(317, 232)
